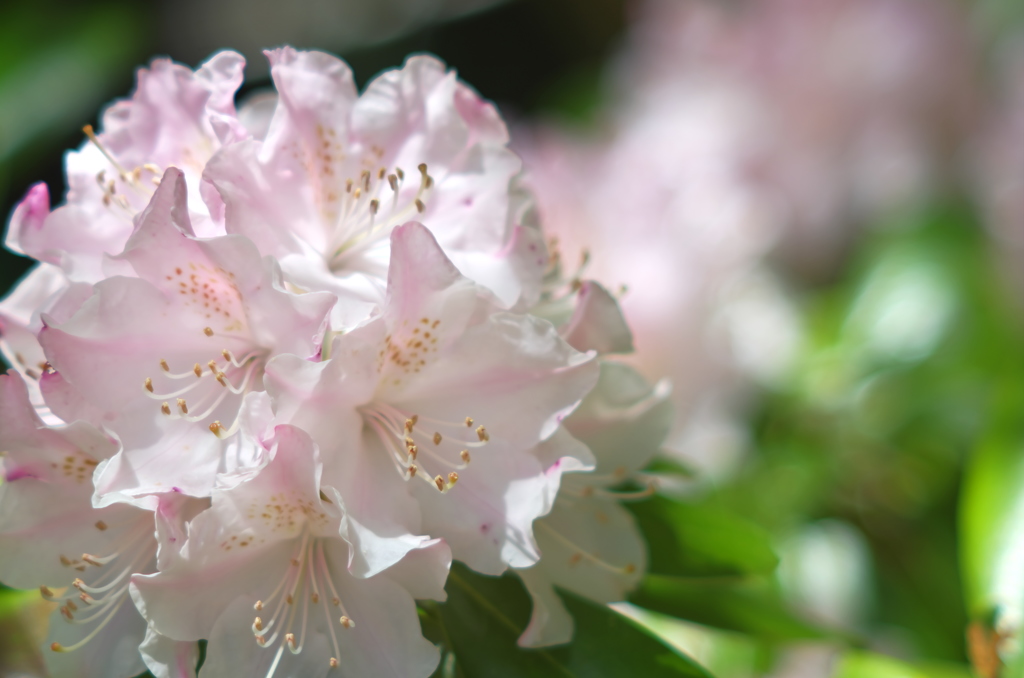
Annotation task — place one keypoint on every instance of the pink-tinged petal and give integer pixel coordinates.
(27, 220)
(422, 114)
(485, 370)
(321, 398)
(166, 658)
(242, 544)
(487, 517)
(597, 323)
(167, 120)
(592, 548)
(624, 421)
(113, 653)
(424, 571)
(550, 623)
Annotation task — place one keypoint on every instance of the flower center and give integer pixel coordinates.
(307, 581)
(222, 379)
(368, 208)
(101, 588)
(423, 451)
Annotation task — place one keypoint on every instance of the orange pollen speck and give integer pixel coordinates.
(100, 525)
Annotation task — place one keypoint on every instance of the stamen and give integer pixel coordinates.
(198, 370)
(481, 433)
(149, 384)
(165, 408)
(469, 422)
(103, 149)
(347, 622)
(182, 405)
(465, 456)
(164, 365)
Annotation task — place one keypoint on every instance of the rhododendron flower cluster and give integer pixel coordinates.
(267, 384)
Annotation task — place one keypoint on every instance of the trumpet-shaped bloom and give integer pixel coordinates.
(590, 544)
(337, 172)
(263, 576)
(164, 360)
(426, 415)
(175, 118)
(80, 558)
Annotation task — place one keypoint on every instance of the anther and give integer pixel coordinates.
(165, 408)
(227, 355)
(400, 173)
(374, 205)
(208, 331)
(412, 474)
(45, 592)
(182, 405)
(258, 624)
(290, 600)
(393, 182)
(314, 598)
(290, 639)
(258, 606)
(409, 423)
(164, 366)
(215, 428)
(78, 583)
(465, 456)
(56, 647)
(453, 478)
(437, 438)
(439, 481)
(420, 207)
(469, 422)
(335, 602)
(149, 384)
(422, 167)
(92, 560)
(261, 640)
(629, 569)
(412, 450)
(151, 167)
(481, 433)
(198, 370)
(334, 662)
(347, 622)
(381, 172)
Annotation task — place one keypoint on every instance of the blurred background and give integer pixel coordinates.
(813, 213)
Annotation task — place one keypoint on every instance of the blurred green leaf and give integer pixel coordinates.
(689, 540)
(744, 607)
(869, 665)
(992, 511)
(484, 617)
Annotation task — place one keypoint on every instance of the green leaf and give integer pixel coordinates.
(992, 510)
(484, 617)
(869, 665)
(692, 541)
(749, 608)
